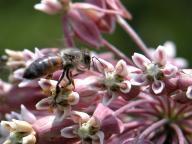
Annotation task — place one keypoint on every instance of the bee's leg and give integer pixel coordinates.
(59, 81)
(69, 76)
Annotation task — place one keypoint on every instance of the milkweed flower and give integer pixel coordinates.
(153, 72)
(114, 80)
(61, 103)
(93, 129)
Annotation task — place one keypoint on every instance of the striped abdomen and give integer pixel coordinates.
(43, 66)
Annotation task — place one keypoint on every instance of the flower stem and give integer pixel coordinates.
(67, 34)
(135, 37)
(132, 104)
(181, 137)
(152, 128)
(112, 48)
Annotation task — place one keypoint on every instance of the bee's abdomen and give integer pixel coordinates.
(43, 66)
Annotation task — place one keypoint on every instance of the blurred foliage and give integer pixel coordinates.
(155, 21)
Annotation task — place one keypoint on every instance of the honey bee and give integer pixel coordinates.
(67, 60)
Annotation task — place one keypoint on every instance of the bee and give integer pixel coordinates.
(67, 60)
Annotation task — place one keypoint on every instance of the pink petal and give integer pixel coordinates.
(101, 136)
(68, 132)
(170, 70)
(160, 55)
(46, 83)
(158, 87)
(73, 98)
(138, 80)
(79, 116)
(140, 60)
(103, 66)
(121, 68)
(85, 28)
(44, 103)
(108, 98)
(170, 49)
(125, 86)
(61, 115)
(27, 115)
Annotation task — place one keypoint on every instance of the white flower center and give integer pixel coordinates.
(153, 72)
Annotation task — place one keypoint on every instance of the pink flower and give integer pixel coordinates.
(153, 72)
(60, 104)
(115, 80)
(93, 129)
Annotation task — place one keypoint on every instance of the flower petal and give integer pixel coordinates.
(158, 87)
(140, 60)
(103, 66)
(44, 103)
(73, 98)
(170, 70)
(108, 98)
(68, 132)
(101, 136)
(125, 86)
(170, 49)
(160, 55)
(121, 68)
(62, 114)
(138, 80)
(27, 115)
(79, 116)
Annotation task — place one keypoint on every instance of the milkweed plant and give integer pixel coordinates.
(143, 99)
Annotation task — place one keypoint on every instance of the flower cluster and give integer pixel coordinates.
(76, 96)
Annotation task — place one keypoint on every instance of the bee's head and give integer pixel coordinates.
(86, 58)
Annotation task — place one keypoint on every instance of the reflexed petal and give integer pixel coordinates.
(27, 115)
(121, 68)
(38, 54)
(108, 98)
(158, 87)
(62, 114)
(28, 55)
(125, 86)
(30, 139)
(101, 136)
(170, 49)
(85, 29)
(73, 98)
(138, 80)
(140, 60)
(25, 83)
(170, 70)
(13, 115)
(79, 116)
(103, 66)
(44, 103)
(160, 55)
(47, 85)
(18, 74)
(68, 132)
(189, 92)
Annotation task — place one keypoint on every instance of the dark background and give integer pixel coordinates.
(156, 21)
